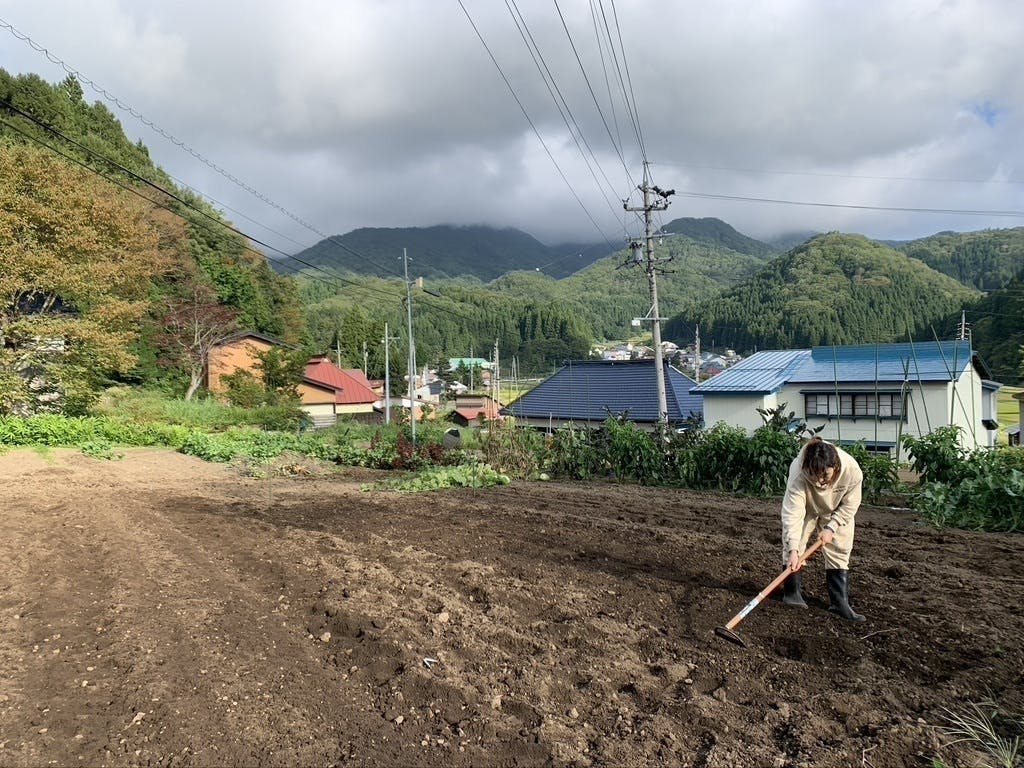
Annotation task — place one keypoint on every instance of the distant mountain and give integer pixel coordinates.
(716, 232)
(833, 289)
(447, 252)
(986, 260)
(787, 241)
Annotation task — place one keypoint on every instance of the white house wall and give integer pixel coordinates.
(739, 410)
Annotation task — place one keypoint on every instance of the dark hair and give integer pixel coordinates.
(819, 457)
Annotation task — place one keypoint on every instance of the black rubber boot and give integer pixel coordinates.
(839, 594)
(791, 591)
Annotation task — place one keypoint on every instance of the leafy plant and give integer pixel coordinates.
(881, 472)
(475, 475)
(937, 455)
(984, 493)
(630, 452)
(100, 449)
(518, 452)
(572, 454)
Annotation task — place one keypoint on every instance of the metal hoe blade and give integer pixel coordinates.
(732, 637)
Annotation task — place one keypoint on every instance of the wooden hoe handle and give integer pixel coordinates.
(770, 588)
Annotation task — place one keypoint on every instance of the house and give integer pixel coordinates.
(468, 362)
(587, 391)
(1013, 433)
(873, 392)
(326, 392)
(470, 409)
(430, 392)
(238, 351)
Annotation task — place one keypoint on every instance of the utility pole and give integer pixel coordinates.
(648, 208)
(366, 357)
(496, 381)
(412, 348)
(387, 373)
(962, 333)
(696, 358)
(337, 348)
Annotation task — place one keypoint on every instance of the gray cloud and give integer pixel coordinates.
(391, 113)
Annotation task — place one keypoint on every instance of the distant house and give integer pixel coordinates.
(470, 409)
(1013, 433)
(468, 362)
(430, 392)
(326, 392)
(874, 393)
(238, 351)
(585, 392)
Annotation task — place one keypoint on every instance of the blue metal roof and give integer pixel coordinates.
(767, 372)
(761, 373)
(587, 390)
(920, 361)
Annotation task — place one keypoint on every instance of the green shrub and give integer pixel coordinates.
(515, 451)
(984, 493)
(881, 472)
(718, 458)
(630, 452)
(765, 468)
(936, 456)
(571, 454)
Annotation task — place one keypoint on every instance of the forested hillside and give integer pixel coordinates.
(715, 232)
(104, 264)
(834, 289)
(986, 260)
(444, 252)
(537, 319)
(997, 330)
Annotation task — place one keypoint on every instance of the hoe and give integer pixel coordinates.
(727, 633)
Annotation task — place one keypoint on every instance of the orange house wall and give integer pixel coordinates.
(228, 358)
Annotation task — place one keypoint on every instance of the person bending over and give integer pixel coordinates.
(823, 494)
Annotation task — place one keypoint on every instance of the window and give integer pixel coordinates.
(854, 405)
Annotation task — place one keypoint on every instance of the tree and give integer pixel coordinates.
(77, 258)
(190, 327)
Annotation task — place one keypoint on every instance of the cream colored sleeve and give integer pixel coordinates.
(850, 503)
(794, 506)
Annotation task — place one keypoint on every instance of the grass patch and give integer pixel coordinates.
(982, 729)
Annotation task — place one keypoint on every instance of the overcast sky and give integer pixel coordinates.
(353, 113)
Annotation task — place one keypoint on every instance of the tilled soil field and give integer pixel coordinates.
(159, 610)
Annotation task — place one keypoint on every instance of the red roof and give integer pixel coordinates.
(359, 376)
(471, 414)
(348, 390)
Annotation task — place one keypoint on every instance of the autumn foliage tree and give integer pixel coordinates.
(77, 259)
(192, 323)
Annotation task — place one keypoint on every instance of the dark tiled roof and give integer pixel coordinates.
(588, 390)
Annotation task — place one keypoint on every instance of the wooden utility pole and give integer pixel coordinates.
(387, 373)
(495, 380)
(412, 348)
(650, 205)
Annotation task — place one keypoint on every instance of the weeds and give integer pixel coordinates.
(981, 727)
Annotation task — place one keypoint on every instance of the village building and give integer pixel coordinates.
(872, 393)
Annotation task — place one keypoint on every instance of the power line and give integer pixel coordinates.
(769, 171)
(683, 164)
(179, 143)
(152, 184)
(526, 114)
(904, 209)
(560, 102)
